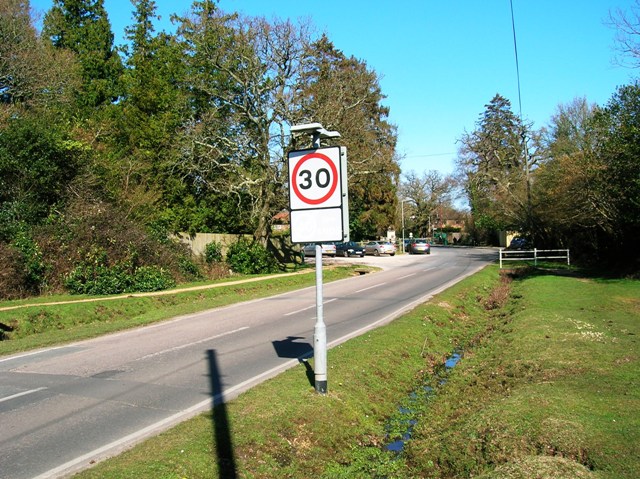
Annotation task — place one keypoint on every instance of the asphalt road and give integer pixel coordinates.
(63, 408)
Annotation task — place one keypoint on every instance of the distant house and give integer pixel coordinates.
(449, 229)
(280, 222)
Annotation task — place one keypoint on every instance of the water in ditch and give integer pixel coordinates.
(400, 426)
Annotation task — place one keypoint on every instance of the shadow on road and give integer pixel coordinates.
(221, 429)
(289, 348)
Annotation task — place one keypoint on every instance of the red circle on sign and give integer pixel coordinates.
(334, 183)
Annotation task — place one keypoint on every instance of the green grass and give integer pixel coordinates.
(37, 322)
(554, 392)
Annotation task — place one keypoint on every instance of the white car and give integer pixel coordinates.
(328, 249)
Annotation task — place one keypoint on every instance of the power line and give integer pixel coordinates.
(515, 47)
(525, 148)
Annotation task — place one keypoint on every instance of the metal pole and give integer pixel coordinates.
(320, 331)
(402, 213)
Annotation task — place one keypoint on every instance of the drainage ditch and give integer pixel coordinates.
(400, 425)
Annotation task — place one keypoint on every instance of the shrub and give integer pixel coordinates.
(188, 268)
(92, 248)
(100, 234)
(101, 279)
(152, 278)
(13, 274)
(34, 265)
(213, 252)
(96, 279)
(247, 257)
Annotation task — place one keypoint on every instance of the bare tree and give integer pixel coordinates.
(426, 195)
(627, 40)
(243, 76)
(32, 74)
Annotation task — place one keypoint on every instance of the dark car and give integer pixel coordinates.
(349, 248)
(418, 246)
(519, 243)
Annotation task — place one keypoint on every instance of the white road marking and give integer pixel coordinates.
(371, 287)
(23, 393)
(407, 276)
(309, 307)
(183, 346)
(119, 444)
(26, 355)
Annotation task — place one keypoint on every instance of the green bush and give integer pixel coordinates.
(213, 252)
(152, 278)
(101, 279)
(96, 279)
(188, 268)
(34, 265)
(248, 257)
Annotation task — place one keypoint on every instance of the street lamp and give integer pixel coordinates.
(316, 130)
(402, 214)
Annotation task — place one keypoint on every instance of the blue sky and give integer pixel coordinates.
(441, 62)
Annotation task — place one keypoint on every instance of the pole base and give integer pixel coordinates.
(321, 387)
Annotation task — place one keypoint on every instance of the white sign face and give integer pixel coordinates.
(314, 226)
(314, 179)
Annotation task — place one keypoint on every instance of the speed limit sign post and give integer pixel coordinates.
(319, 212)
(317, 195)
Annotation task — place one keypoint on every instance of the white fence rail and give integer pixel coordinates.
(533, 255)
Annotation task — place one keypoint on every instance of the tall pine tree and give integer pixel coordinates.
(495, 165)
(83, 27)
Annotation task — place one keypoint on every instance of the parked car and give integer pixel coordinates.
(418, 246)
(328, 249)
(377, 248)
(349, 248)
(519, 243)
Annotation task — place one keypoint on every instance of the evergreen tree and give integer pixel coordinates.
(618, 127)
(83, 27)
(495, 165)
(37, 164)
(344, 95)
(147, 120)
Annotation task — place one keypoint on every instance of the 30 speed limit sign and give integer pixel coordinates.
(317, 195)
(314, 178)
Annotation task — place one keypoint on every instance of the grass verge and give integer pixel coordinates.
(547, 388)
(552, 393)
(54, 320)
